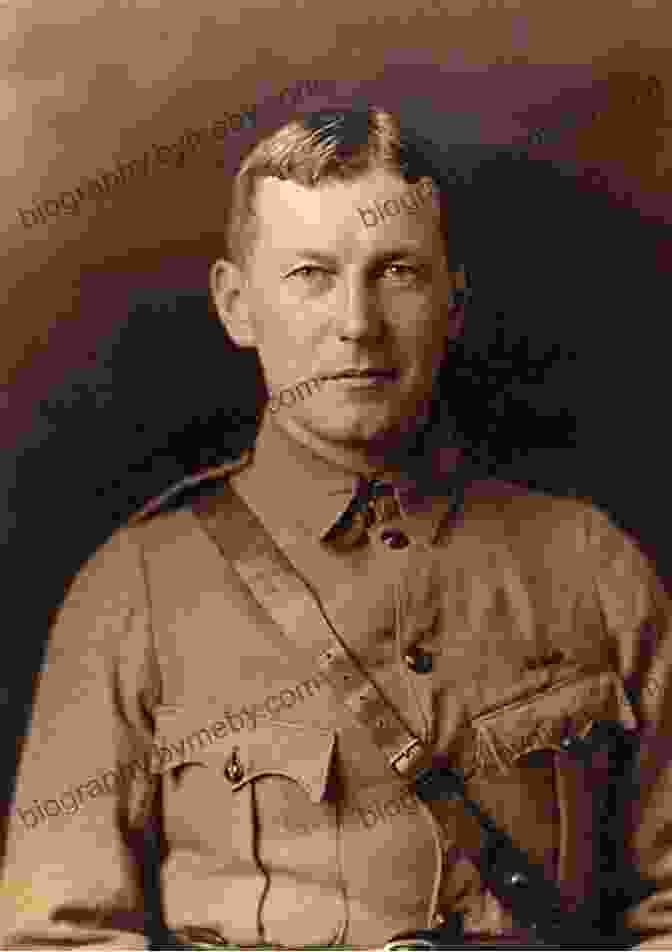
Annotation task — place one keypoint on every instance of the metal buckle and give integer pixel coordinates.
(408, 754)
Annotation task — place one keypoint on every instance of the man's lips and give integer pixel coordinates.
(369, 372)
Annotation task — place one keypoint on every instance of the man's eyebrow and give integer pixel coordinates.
(321, 256)
(393, 254)
(384, 257)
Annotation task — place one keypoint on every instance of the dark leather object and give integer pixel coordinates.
(534, 901)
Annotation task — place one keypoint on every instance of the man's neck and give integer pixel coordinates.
(389, 457)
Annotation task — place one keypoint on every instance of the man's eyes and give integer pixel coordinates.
(405, 272)
(400, 272)
(307, 271)
(313, 278)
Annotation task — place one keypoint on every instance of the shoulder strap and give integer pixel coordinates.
(279, 588)
(178, 492)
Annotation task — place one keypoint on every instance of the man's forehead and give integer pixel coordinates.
(335, 207)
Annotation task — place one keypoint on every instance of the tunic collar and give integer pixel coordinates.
(289, 484)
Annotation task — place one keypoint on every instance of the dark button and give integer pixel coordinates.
(576, 747)
(421, 662)
(234, 769)
(517, 879)
(572, 743)
(395, 538)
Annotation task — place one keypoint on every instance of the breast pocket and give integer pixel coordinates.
(233, 756)
(251, 807)
(567, 708)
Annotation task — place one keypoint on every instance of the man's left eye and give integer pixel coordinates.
(403, 271)
(307, 271)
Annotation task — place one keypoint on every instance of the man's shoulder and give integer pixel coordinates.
(180, 494)
(527, 508)
(162, 520)
(505, 492)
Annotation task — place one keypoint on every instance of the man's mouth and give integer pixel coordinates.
(371, 372)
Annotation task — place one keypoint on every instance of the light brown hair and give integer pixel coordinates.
(338, 145)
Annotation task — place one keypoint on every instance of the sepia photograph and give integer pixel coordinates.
(337, 561)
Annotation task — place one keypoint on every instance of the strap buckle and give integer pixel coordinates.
(404, 759)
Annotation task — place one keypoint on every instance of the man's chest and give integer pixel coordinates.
(449, 635)
(255, 745)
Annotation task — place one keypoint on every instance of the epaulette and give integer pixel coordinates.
(186, 487)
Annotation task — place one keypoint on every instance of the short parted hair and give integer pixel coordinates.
(340, 145)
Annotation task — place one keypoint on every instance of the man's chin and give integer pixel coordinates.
(349, 429)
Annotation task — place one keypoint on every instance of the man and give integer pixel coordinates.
(263, 670)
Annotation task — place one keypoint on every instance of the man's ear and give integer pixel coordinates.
(228, 287)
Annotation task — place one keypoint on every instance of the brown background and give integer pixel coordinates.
(87, 82)
(114, 376)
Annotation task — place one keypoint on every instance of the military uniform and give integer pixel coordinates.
(273, 722)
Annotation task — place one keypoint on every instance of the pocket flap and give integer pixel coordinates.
(301, 753)
(501, 737)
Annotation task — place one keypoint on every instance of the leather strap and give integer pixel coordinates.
(279, 588)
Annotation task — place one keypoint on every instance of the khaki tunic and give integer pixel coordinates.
(168, 692)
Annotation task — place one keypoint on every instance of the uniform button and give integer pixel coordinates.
(576, 747)
(517, 879)
(421, 662)
(395, 538)
(572, 743)
(234, 770)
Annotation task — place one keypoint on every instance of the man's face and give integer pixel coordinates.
(328, 292)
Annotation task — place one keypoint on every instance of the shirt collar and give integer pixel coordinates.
(287, 483)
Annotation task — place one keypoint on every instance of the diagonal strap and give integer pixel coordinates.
(278, 587)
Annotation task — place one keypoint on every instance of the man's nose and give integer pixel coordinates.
(361, 312)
